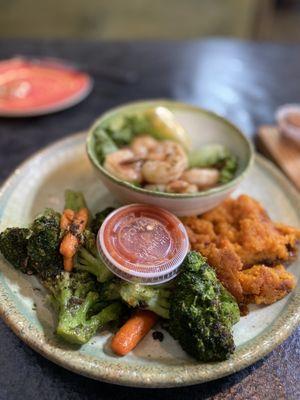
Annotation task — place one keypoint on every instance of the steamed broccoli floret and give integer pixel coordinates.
(88, 259)
(99, 218)
(76, 298)
(202, 312)
(43, 244)
(13, 246)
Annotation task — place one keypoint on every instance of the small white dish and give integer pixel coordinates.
(285, 122)
(204, 127)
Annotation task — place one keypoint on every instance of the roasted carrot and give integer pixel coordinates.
(67, 218)
(68, 246)
(68, 264)
(133, 331)
(80, 220)
(75, 223)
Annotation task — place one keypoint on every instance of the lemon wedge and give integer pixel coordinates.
(165, 127)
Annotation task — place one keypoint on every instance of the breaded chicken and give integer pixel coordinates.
(239, 234)
(265, 285)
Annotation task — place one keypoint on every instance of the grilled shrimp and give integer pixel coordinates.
(202, 177)
(124, 165)
(181, 186)
(165, 163)
(142, 145)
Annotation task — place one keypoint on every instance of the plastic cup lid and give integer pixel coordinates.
(143, 243)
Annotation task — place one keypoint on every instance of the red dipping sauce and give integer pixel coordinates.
(143, 243)
(35, 87)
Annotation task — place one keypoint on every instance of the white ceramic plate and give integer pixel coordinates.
(40, 182)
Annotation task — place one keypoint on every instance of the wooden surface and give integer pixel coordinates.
(282, 151)
(243, 81)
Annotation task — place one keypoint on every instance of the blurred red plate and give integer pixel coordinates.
(35, 87)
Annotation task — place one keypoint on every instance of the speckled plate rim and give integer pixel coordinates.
(153, 375)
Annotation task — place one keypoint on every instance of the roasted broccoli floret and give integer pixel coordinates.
(88, 259)
(110, 290)
(98, 219)
(13, 246)
(202, 312)
(153, 298)
(81, 311)
(43, 244)
(34, 250)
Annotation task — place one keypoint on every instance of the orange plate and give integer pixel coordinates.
(35, 87)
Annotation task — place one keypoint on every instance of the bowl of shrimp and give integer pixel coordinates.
(169, 154)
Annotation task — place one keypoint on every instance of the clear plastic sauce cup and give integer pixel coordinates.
(143, 243)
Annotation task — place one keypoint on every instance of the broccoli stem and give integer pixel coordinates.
(86, 261)
(160, 309)
(108, 314)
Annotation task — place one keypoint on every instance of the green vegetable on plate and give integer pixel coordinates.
(202, 312)
(80, 309)
(197, 309)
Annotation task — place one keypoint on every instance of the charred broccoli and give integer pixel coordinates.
(81, 312)
(153, 298)
(88, 259)
(202, 312)
(43, 244)
(13, 246)
(34, 250)
(99, 218)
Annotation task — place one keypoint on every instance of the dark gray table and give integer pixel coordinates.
(243, 81)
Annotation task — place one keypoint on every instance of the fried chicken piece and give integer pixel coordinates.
(256, 239)
(265, 285)
(239, 234)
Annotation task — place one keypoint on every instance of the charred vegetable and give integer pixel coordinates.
(80, 310)
(202, 312)
(36, 249)
(13, 246)
(88, 259)
(43, 244)
(98, 219)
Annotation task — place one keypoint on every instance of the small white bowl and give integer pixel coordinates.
(204, 127)
(289, 130)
